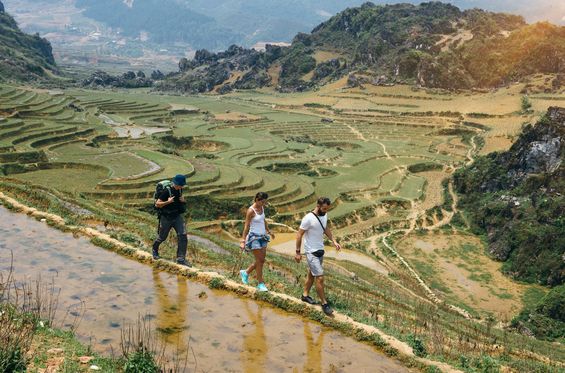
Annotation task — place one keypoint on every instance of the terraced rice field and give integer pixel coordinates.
(355, 146)
(380, 153)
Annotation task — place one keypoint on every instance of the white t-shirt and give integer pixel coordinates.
(314, 235)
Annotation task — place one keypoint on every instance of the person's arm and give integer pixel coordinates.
(299, 236)
(162, 202)
(330, 236)
(268, 231)
(248, 217)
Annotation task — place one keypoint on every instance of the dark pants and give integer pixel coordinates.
(176, 223)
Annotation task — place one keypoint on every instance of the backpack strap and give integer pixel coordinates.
(319, 221)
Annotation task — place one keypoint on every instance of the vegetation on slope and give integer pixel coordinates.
(520, 206)
(23, 57)
(546, 319)
(432, 44)
(516, 199)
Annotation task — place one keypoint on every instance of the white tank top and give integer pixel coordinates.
(257, 225)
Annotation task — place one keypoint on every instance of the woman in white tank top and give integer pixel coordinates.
(256, 235)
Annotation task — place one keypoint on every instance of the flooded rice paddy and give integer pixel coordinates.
(222, 331)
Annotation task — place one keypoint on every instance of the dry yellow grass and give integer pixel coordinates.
(472, 277)
(434, 190)
(460, 37)
(322, 56)
(496, 144)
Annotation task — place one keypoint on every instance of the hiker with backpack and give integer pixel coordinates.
(256, 235)
(171, 206)
(312, 228)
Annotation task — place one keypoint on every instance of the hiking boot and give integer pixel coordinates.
(262, 287)
(308, 299)
(156, 254)
(327, 309)
(244, 277)
(184, 262)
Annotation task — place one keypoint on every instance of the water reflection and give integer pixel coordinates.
(255, 349)
(172, 312)
(313, 349)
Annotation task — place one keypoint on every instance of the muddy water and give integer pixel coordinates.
(226, 333)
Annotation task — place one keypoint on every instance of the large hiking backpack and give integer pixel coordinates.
(159, 188)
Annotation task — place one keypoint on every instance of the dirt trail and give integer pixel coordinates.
(416, 214)
(385, 152)
(356, 132)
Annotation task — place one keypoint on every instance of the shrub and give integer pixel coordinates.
(417, 345)
(216, 283)
(141, 361)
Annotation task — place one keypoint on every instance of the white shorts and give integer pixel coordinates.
(315, 264)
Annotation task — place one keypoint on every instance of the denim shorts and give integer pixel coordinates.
(256, 241)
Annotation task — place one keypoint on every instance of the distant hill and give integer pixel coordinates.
(23, 57)
(518, 199)
(160, 21)
(431, 44)
(215, 24)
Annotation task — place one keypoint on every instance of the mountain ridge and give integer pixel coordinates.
(23, 57)
(433, 44)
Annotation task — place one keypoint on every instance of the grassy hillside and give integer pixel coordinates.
(515, 197)
(23, 57)
(432, 44)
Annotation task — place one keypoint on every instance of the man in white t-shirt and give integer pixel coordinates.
(312, 228)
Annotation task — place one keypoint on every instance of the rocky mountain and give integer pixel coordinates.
(431, 44)
(517, 198)
(23, 57)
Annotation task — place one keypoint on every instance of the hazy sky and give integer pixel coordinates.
(532, 10)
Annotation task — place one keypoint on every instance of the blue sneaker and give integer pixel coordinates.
(262, 287)
(244, 277)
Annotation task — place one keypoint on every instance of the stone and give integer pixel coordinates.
(55, 351)
(85, 359)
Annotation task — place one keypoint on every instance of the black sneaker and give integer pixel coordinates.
(184, 262)
(327, 309)
(156, 255)
(308, 299)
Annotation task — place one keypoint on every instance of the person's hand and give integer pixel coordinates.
(171, 199)
(242, 245)
(337, 246)
(298, 258)
(181, 199)
(272, 235)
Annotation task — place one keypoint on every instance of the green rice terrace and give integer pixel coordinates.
(384, 155)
